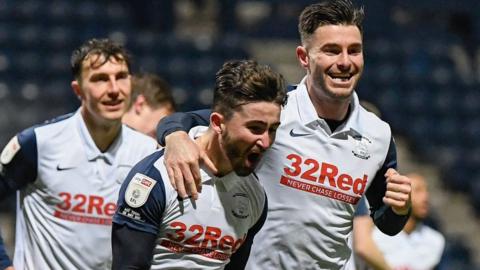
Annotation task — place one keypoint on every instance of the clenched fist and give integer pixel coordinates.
(399, 188)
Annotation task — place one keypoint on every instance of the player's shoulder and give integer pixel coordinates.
(138, 137)
(49, 128)
(52, 126)
(144, 179)
(432, 235)
(383, 239)
(148, 165)
(28, 139)
(372, 126)
(372, 118)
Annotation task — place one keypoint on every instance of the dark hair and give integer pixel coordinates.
(240, 82)
(100, 47)
(328, 12)
(155, 90)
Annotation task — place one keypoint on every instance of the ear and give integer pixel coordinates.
(139, 103)
(77, 89)
(216, 122)
(302, 55)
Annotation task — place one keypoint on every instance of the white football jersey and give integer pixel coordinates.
(201, 234)
(422, 249)
(314, 179)
(69, 195)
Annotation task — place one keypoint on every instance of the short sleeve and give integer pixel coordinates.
(141, 200)
(18, 159)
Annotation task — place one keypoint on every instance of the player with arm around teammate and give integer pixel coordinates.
(153, 227)
(328, 153)
(68, 171)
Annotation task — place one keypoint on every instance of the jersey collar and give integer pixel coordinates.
(90, 148)
(226, 182)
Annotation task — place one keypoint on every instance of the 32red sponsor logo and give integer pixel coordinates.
(324, 173)
(197, 235)
(86, 204)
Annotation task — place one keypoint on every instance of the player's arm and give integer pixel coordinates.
(18, 163)
(389, 196)
(127, 257)
(240, 257)
(363, 243)
(182, 155)
(136, 222)
(18, 167)
(181, 121)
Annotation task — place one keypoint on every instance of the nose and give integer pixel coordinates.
(264, 140)
(344, 62)
(113, 88)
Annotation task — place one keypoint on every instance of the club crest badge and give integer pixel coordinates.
(138, 190)
(361, 149)
(240, 205)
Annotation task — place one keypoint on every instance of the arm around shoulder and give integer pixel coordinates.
(181, 121)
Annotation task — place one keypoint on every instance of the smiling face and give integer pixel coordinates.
(333, 58)
(248, 134)
(104, 89)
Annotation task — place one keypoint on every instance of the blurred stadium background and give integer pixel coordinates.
(422, 73)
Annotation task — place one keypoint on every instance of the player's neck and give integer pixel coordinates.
(103, 134)
(210, 143)
(410, 225)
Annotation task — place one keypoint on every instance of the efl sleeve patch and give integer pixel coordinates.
(9, 151)
(138, 190)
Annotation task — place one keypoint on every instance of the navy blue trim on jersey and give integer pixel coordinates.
(126, 257)
(23, 167)
(239, 259)
(56, 119)
(383, 216)
(148, 217)
(181, 121)
(4, 260)
(362, 208)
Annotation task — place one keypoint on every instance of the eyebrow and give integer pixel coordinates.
(102, 74)
(262, 122)
(256, 122)
(327, 45)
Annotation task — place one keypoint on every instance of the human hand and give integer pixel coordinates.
(182, 158)
(9, 268)
(398, 194)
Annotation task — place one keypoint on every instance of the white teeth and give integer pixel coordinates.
(341, 79)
